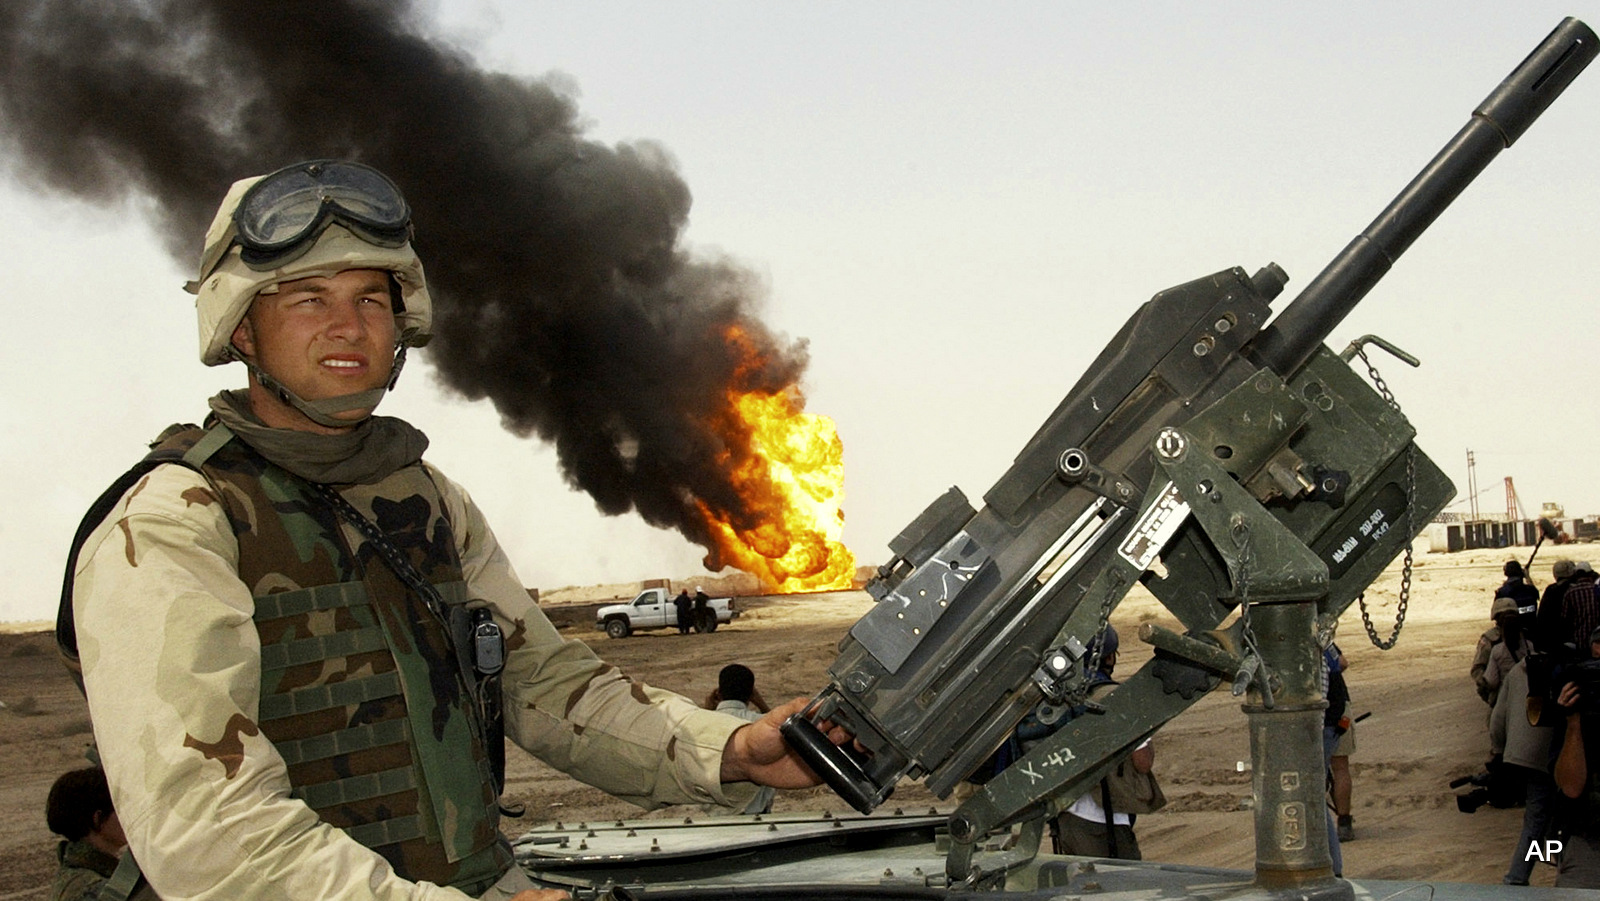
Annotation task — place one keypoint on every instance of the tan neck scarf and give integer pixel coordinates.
(363, 454)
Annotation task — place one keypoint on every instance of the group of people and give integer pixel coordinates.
(1529, 667)
(692, 611)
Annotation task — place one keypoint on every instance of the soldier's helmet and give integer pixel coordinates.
(314, 218)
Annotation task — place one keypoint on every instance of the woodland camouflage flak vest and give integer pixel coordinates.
(361, 693)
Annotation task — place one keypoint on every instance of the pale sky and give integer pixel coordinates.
(957, 205)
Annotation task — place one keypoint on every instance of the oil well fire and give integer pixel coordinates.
(787, 467)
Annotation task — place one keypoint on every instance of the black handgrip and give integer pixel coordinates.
(835, 765)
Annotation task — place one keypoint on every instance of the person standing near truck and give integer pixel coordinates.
(702, 610)
(685, 604)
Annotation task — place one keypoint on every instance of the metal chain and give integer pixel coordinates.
(1241, 540)
(1411, 512)
(1080, 692)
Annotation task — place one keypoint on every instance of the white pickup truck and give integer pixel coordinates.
(654, 609)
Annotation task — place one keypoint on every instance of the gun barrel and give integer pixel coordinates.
(1296, 333)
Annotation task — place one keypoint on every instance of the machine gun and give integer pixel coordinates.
(1224, 463)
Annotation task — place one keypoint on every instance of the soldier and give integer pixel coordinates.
(269, 618)
(1499, 648)
(79, 810)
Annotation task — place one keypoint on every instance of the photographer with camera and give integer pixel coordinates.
(1577, 771)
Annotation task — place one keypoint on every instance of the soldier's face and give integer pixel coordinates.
(321, 337)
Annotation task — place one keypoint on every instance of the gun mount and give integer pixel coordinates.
(1231, 466)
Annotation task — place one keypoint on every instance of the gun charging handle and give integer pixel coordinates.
(841, 769)
(1358, 346)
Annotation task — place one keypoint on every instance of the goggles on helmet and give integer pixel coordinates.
(280, 216)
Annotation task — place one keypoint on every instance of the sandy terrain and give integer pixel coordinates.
(1426, 728)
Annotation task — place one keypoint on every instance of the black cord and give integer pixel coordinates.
(391, 554)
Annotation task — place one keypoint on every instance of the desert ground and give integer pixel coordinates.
(1426, 727)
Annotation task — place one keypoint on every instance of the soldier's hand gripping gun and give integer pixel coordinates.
(1220, 461)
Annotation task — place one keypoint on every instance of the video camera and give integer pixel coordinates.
(1499, 785)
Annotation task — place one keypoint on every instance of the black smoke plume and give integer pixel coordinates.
(563, 294)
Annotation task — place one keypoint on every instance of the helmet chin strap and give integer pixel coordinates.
(322, 411)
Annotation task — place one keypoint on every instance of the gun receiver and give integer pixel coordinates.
(1222, 462)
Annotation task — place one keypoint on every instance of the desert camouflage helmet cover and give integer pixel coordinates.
(227, 285)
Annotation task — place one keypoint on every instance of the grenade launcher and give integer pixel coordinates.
(1225, 463)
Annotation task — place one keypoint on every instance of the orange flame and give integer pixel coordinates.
(792, 480)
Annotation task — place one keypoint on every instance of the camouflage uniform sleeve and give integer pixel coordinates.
(171, 661)
(581, 715)
(1480, 663)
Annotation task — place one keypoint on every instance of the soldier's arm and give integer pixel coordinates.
(581, 715)
(1480, 663)
(171, 663)
(1480, 654)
